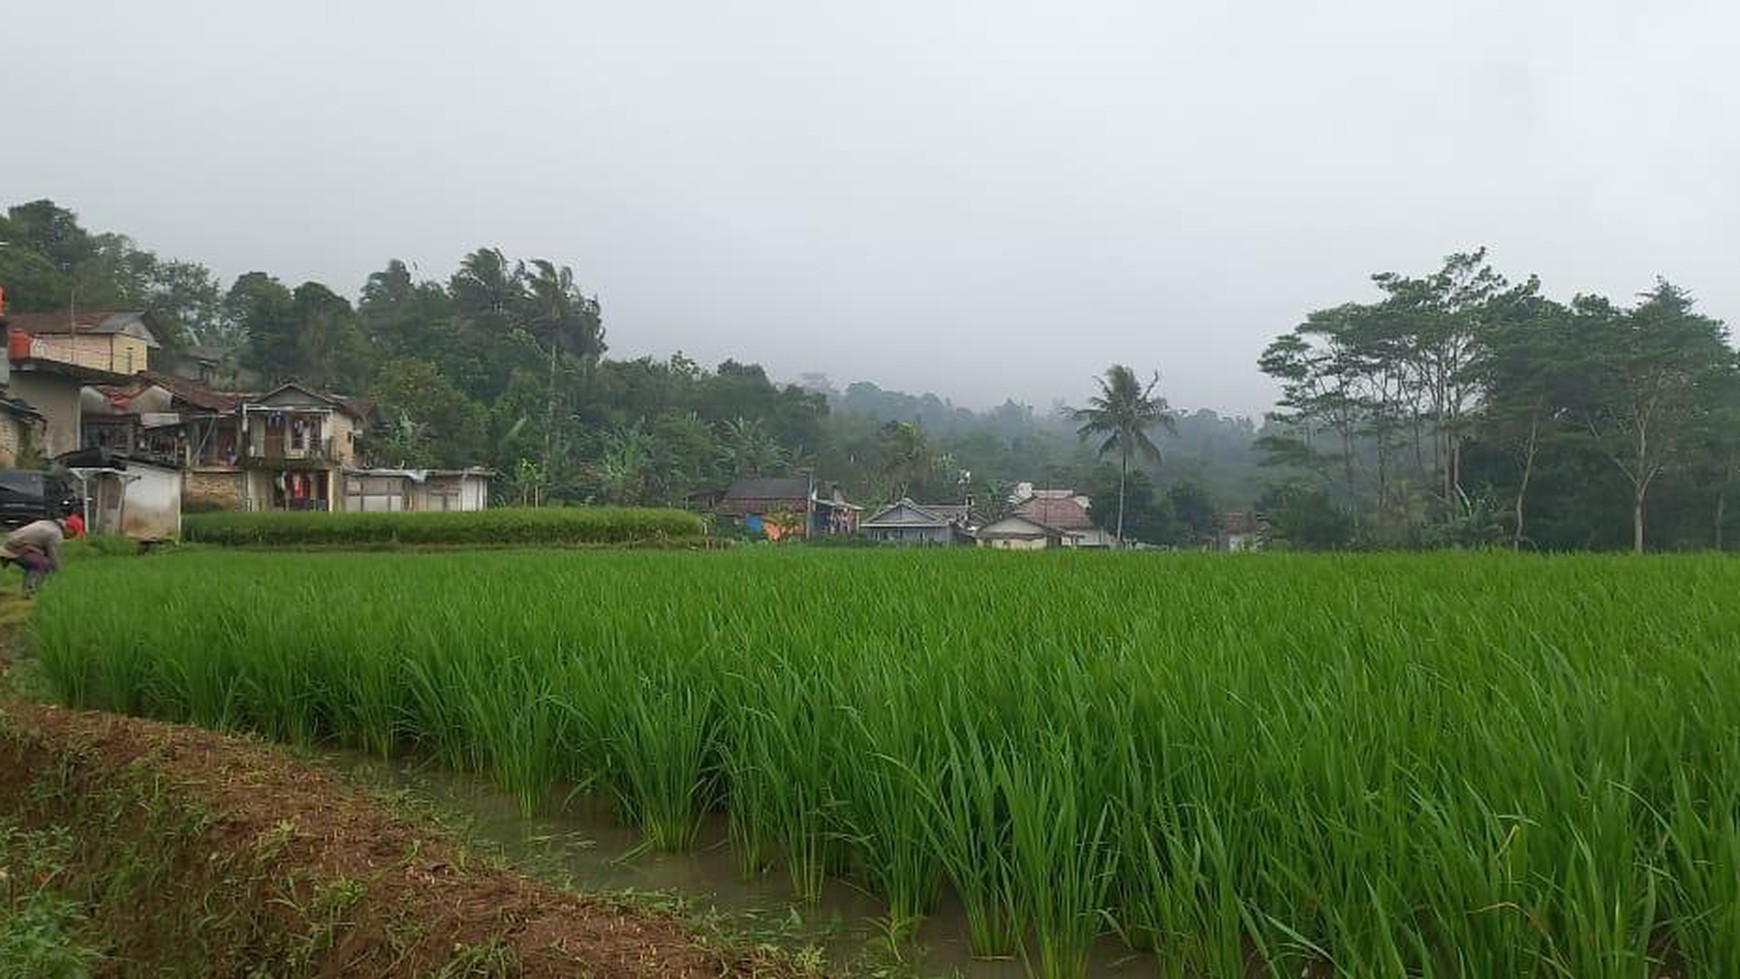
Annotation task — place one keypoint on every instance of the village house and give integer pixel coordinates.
(52, 357)
(80, 387)
(1067, 511)
(171, 421)
(135, 419)
(906, 522)
(1019, 533)
(292, 448)
(1241, 532)
(296, 444)
(788, 507)
(112, 342)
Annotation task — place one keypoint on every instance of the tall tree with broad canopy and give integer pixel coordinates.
(1121, 416)
(1652, 378)
(1527, 366)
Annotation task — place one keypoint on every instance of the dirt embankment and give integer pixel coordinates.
(200, 853)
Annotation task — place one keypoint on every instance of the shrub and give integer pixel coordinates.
(514, 526)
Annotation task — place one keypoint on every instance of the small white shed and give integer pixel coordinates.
(141, 500)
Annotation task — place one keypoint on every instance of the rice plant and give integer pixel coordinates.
(1448, 765)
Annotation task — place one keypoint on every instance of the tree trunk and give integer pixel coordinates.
(1528, 472)
(1640, 485)
(1383, 480)
(1455, 472)
(1123, 474)
(550, 404)
(1352, 499)
(1721, 511)
(1637, 518)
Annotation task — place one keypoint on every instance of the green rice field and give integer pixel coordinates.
(1439, 765)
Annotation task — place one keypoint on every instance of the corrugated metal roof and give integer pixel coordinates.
(765, 488)
(96, 322)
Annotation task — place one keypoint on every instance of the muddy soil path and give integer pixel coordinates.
(295, 870)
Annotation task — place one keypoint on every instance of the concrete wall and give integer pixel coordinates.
(153, 510)
(144, 502)
(451, 493)
(391, 493)
(343, 433)
(58, 400)
(375, 494)
(116, 353)
(1015, 544)
(1022, 535)
(15, 434)
(910, 535)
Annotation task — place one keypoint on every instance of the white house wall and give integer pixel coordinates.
(153, 504)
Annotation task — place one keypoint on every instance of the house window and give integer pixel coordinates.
(303, 433)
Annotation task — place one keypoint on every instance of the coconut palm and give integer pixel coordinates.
(909, 457)
(1122, 414)
(747, 448)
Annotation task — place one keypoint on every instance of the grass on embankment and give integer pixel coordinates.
(143, 849)
(110, 866)
(506, 527)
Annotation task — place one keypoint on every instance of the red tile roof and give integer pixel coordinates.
(63, 321)
(1240, 523)
(195, 393)
(1062, 512)
(358, 408)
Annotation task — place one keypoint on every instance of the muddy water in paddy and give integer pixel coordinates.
(581, 845)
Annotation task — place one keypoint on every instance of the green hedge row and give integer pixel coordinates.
(550, 526)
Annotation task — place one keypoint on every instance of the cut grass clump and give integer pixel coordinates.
(510, 527)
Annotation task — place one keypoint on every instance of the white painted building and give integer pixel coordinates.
(395, 490)
(138, 499)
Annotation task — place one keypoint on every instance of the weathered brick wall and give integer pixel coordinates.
(10, 441)
(209, 490)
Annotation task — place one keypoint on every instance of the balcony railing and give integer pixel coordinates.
(286, 450)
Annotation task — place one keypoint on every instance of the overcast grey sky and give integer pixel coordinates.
(980, 199)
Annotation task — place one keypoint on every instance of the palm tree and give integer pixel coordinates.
(908, 456)
(1122, 413)
(564, 317)
(747, 448)
(487, 289)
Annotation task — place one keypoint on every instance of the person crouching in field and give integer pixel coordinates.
(35, 547)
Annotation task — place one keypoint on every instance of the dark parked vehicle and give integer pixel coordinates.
(30, 494)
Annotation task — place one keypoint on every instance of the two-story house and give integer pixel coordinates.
(295, 446)
(52, 357)
(175, 422)
(287, 449)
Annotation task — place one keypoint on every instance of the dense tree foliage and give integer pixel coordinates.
(1462, 408)
(1457, 407)
(48, 262)
(503, 364)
